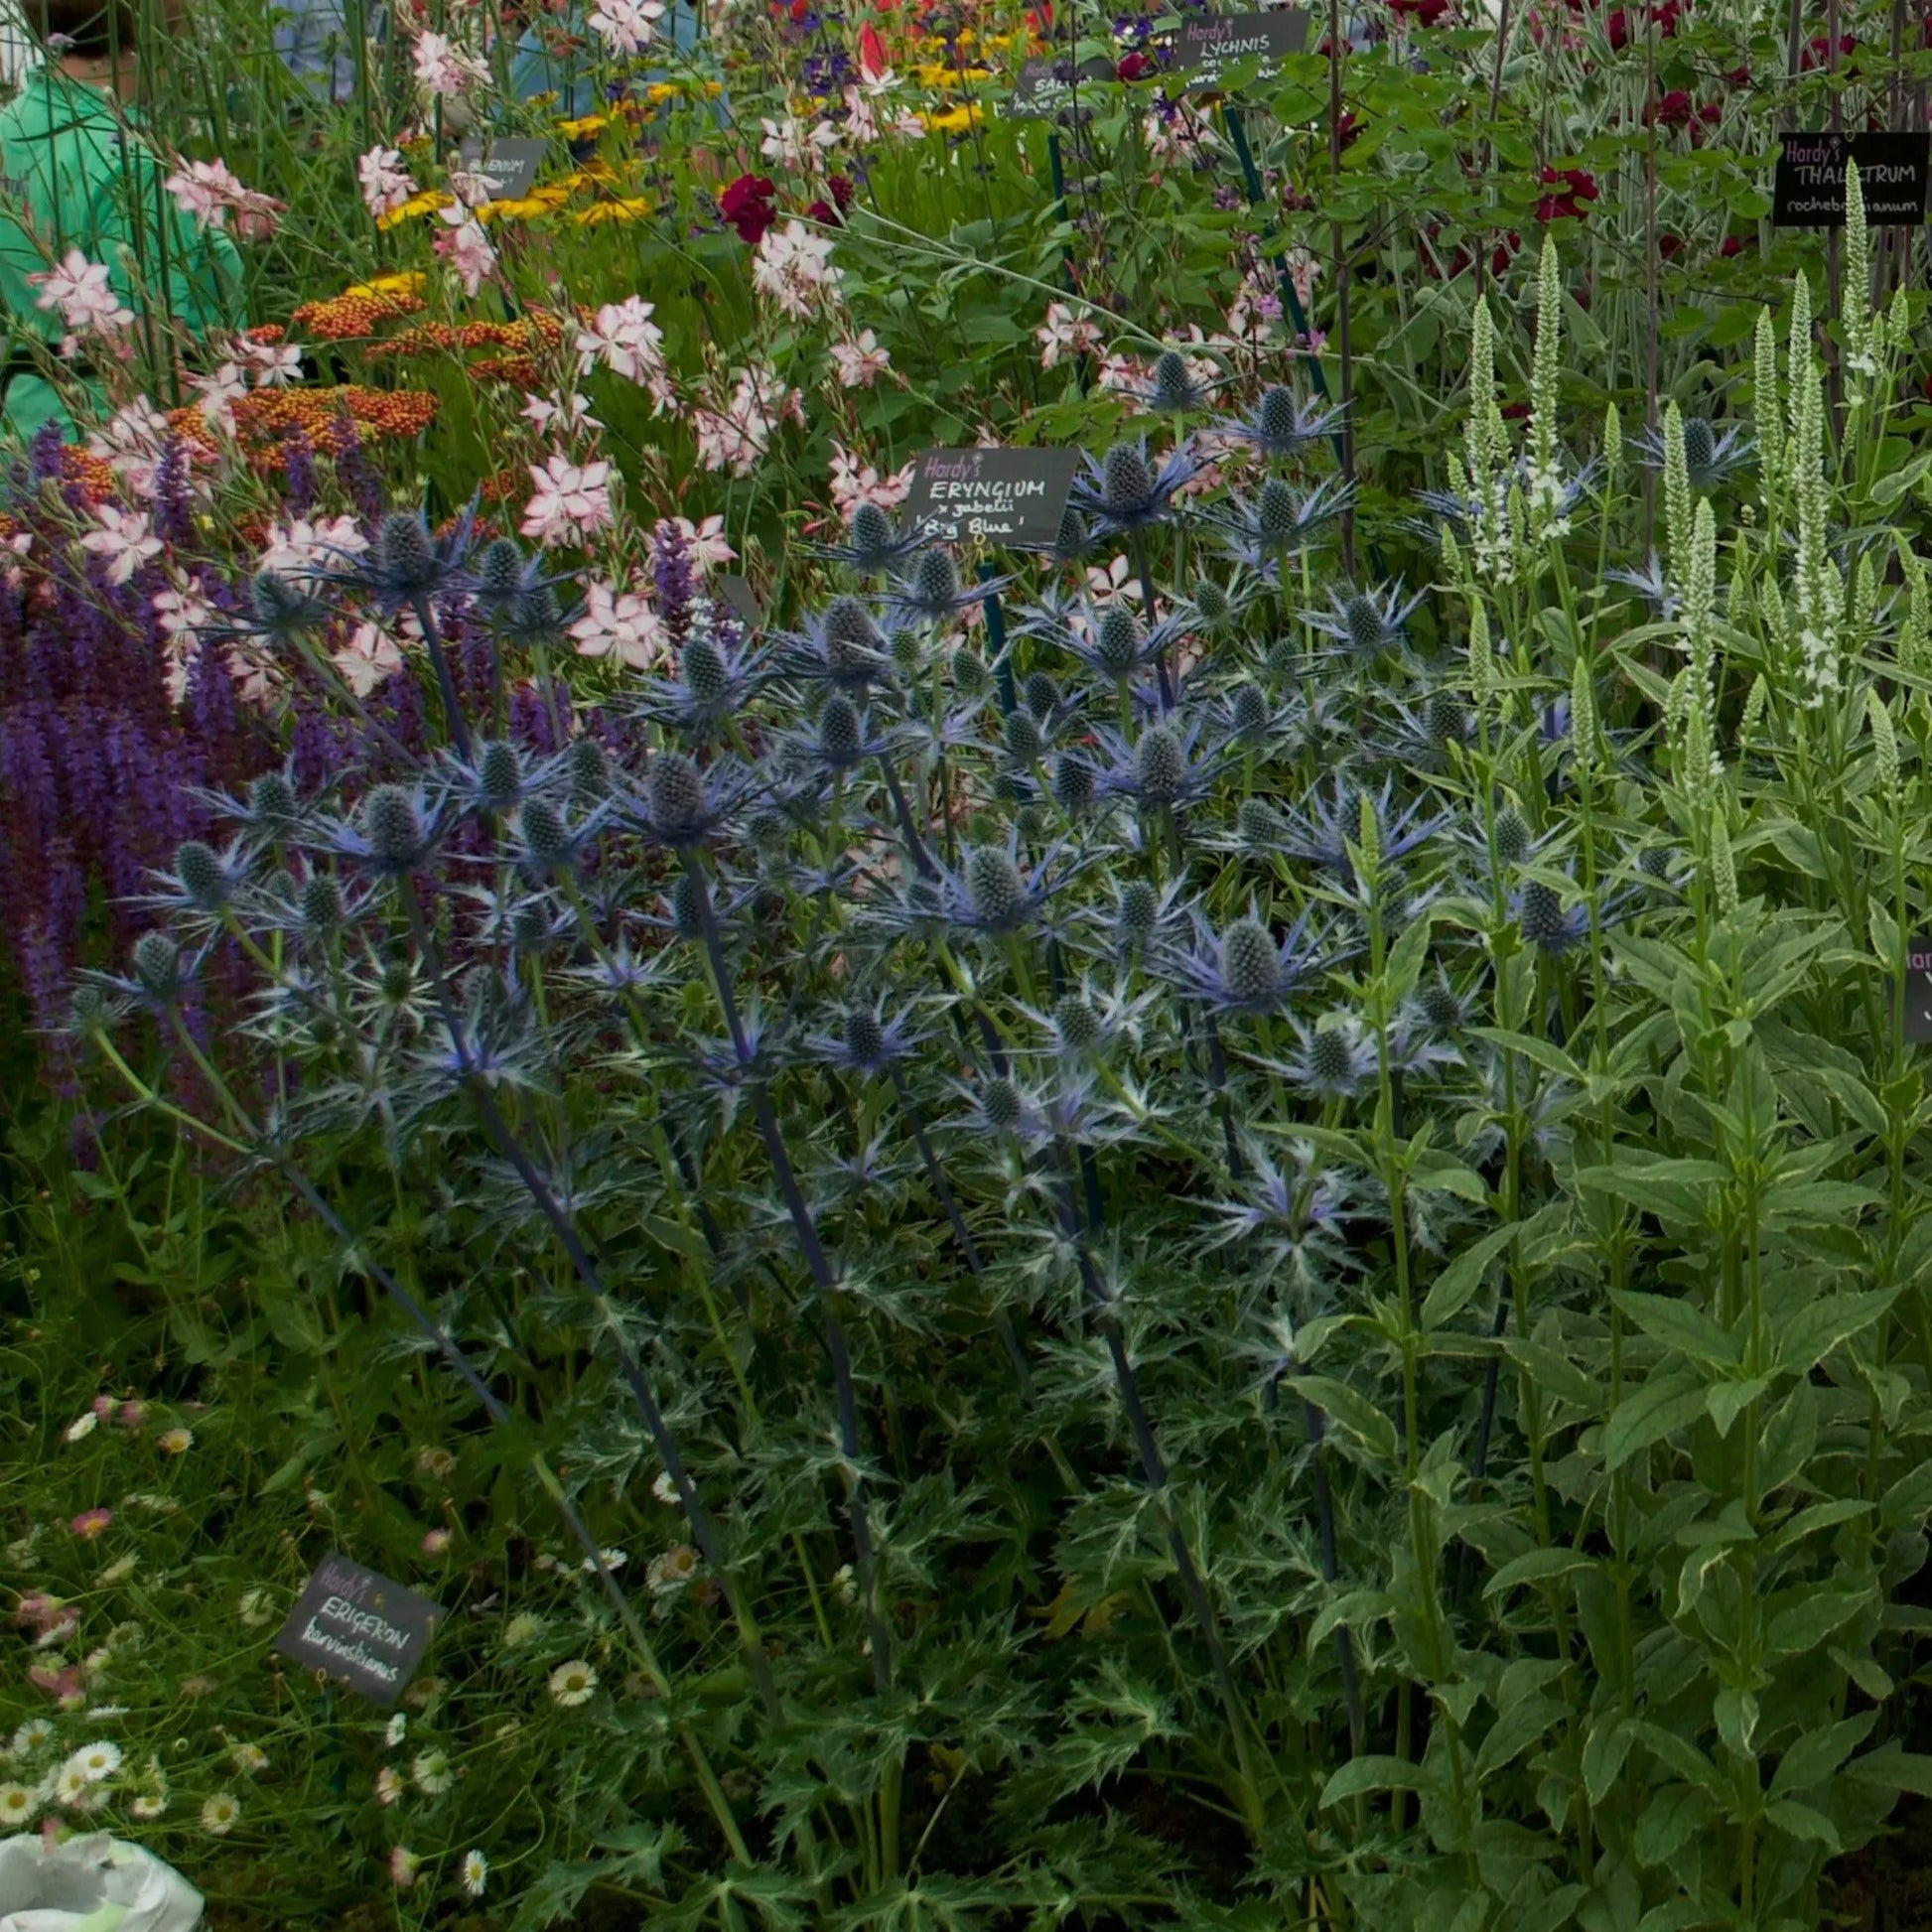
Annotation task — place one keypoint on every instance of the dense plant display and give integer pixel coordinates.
(1216, 1223)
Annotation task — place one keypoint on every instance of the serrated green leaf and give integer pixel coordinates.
(1646, 1415)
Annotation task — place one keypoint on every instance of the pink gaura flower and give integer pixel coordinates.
(621, 625)
(444, 70)
(861, 361)
(466, 247)
(622, 337)
(625, 26)
(211, 192)
(83, 293)
(705, 542)
(368, 657)
(124, 541)
(794, 268)
(1063, 335)
(571, 502)
(856, 482)
(386, 183)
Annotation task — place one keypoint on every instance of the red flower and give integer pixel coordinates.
(1576, 186)
(1350, 126)
(1670, 246)
(1135, 66)
(1740, 77)
(823, 212)
(1427, 12)
(1515, 412)
(842, 189)
(1673, 110)
(750, 205)
(1732, 245)
(1666, 17)
(1818, 53)
(1711, 114)
(873, 58)
(1505, 249)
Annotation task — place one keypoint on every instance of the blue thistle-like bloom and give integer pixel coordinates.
(869, 1039)
(1161, 769)
(931, 593)
(203, 882)
(513, 597)
(393, 834)
(1710, 456)
(842, 740)
(719, 673)
(1124, 491)
(1544, 922)
(1172, 388)
(873, 543)
(1367, 622)
(841, 644)
(1423, 736)
(1278, 518)
(1336, 1060)
(1322, 829)
(994, 891)
(548, 846)
(408, 562)
(1279, 426)
(1289, 1217)
(1653, 585)
(683, 804)
(1245, 969)
(1110, 639)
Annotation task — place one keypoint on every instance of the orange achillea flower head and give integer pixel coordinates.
(357, 314)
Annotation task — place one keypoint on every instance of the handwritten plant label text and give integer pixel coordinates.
(1050, 85)
(508, 168)
(1809, 191)
(1208, 45)
(362, 1627)
(1918, 992)
(1010, 496)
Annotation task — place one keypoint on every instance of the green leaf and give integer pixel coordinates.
(1555, 1374)
(1894, 1768)
(1537, 1566)
(1671, 1817)
(1813, 1330)
(1451, 1291)
(1680, 1325)
(1607, 1745)
(1727, 1401)
(1817, 1753)
(1809, 1620)
(1649, 1413)
(1518, 1727)
(1800, 1821)
(1909, 1500)
(1351, 1411)
(1680, 1756)
(1364, 1774)
(1405, 962)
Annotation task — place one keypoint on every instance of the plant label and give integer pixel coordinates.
(1208, 45)
(736, 591)
(1047, 85)
(1007, 496)
(1809, 191)
(1918, 992)
(508, 168)
(365, 1629)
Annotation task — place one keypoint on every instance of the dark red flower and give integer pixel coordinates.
(1818, 53)
(1575, 186)
(1350, 126)
(1515, 412)
(1621, 25)
(1732, 245)
(1711, 114)
(1506, 249)
(823, 212)
(1670, 246)
(1674, 110)
(1427, 13)
(1135, 66)
(1740, 77)
(750, 205)
(843, 189)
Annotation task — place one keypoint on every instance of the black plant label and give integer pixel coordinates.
(736, 591)
(364, 1629)
(509, 168)
(1918, 992)
(1007, 496)
(1894, 170)
(1210, 44)
(1050, 85)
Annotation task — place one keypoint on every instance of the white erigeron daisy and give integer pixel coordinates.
(70, 1785)
(249, 1760)
(571, 1684)
(476, 1873)
(398, 1728)
(432, 1773)
(33, 1737)
(17, 1807)
(388, 1785)
(525, 1625)
(82, 1427)
(220, 1814)
(96, 1761)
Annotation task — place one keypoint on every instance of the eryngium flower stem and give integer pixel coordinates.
(1154, 1471)
(445, 679)
(1325, 1512)
(259, 1144)
(823, 1279)
(914, 845)
(1146, 603)
(504, 1138)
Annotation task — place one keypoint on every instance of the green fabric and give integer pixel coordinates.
(71, 176)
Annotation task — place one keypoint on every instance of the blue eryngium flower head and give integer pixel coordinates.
(1161, 769)
(1173, 387)
(513, 597)
(842, 740)
(1336, 1058)
(548, 844)
(683, 804)
(1126, 491)
(1544, 922)
(1367, 622)
(1108, 639)
(842, 645)
(931, 593)
(873, 543)
(1322, 829)
(203, 882)
(994, 891)
(719, 673)
(1278, 518)
(154, 979)
(408, 563)
(1278, 425)
(1244, 968)
(393, 835)
(867, 1040)
(1710, 456)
